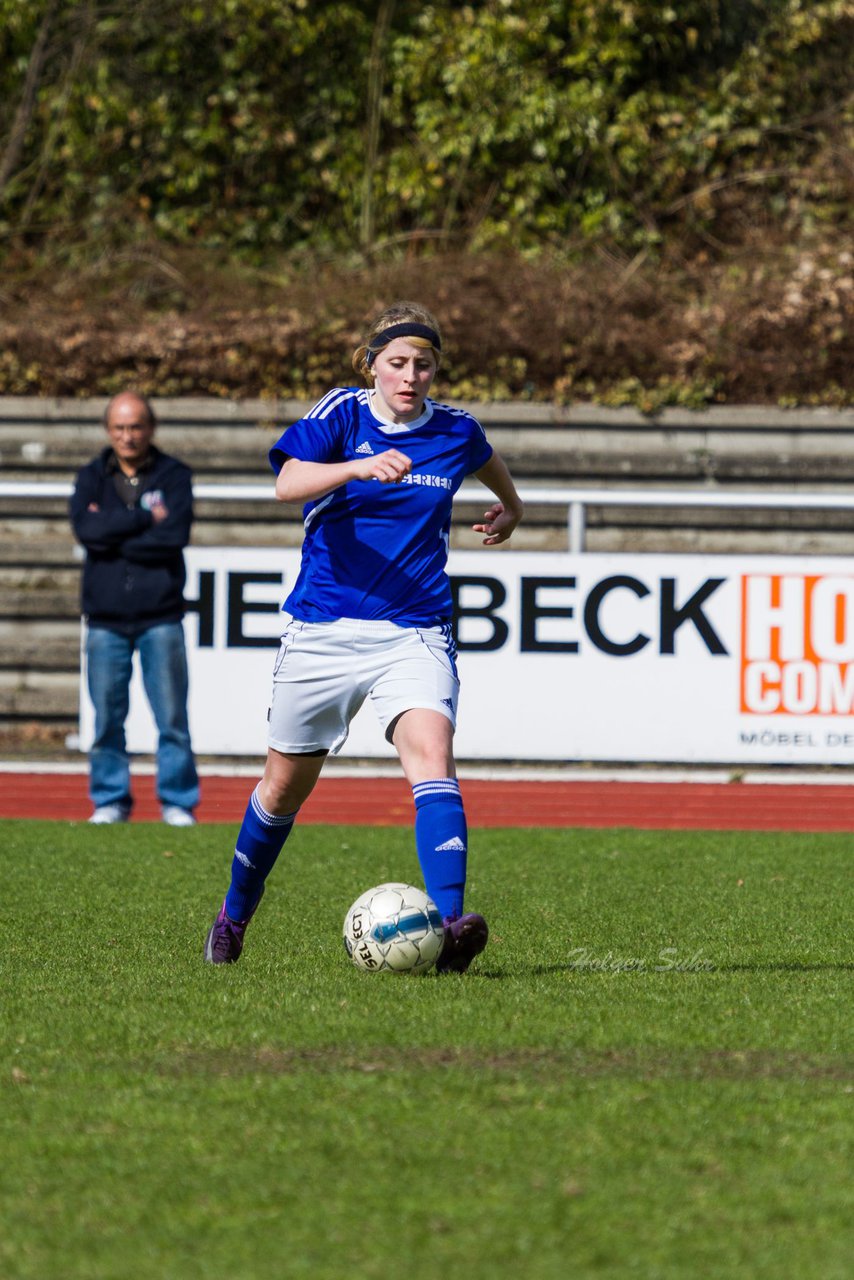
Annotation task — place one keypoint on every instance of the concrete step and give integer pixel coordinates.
(39, 593)
(39, 695)
(578, 443)
(40, 644)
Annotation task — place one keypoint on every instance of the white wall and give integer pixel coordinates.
(702, 659)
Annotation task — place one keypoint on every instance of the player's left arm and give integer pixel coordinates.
(502, 517)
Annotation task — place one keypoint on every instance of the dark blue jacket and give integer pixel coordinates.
(134, 573)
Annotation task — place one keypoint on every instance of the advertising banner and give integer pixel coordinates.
(624, 658)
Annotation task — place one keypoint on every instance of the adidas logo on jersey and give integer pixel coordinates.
(365, 448)
(454, 844)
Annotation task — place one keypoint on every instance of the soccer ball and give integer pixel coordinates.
(393, 928)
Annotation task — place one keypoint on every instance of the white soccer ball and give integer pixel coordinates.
(393, 928)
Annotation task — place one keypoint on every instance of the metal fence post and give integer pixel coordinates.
(577, 525)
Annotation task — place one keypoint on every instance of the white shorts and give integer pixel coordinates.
(325, 670)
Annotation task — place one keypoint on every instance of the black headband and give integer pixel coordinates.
(408, 329)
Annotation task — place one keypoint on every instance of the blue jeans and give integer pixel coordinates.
(163, 658)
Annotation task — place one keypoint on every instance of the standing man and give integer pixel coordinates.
(132, 509)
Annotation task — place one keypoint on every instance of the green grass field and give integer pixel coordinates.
(648, 1074)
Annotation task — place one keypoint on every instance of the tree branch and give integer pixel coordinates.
(375, 99)
(26, 106)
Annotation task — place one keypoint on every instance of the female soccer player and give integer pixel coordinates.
(370, 613)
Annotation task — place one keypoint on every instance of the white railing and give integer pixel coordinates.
(576, 501)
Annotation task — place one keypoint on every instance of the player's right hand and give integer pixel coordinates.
(389, 467)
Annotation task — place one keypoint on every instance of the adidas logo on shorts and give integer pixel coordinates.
(455, 844)
(365, 448)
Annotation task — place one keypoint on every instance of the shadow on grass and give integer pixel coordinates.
(789, 966)
(783, 966)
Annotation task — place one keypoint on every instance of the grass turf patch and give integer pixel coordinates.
(648, 1072)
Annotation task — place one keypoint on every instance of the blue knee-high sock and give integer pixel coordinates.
(259, 844)
(441, 838)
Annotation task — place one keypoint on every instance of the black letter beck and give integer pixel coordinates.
(672, 618)
(591, 615)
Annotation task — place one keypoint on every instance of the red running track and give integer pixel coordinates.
(708, 806)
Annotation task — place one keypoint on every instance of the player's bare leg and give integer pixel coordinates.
(288, 780)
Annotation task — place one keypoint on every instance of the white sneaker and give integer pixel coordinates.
(108, 813)
(175, 816)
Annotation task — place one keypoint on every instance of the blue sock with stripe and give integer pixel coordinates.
(259, 843)
(441, 838)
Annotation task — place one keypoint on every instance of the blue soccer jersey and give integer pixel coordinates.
(374, 550)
